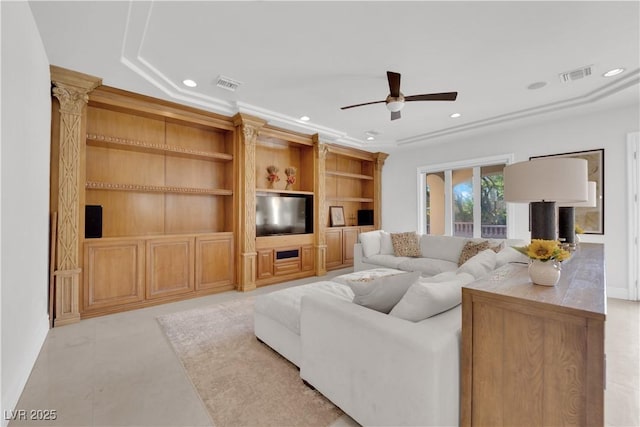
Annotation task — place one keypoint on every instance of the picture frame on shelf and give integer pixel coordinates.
(591, 220)
(336, 216)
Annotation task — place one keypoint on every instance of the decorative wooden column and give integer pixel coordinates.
(247, 129)
(71, 89)
(377, 189)
(320, 210)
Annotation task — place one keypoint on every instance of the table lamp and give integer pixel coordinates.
(566, 215)
(542, 182)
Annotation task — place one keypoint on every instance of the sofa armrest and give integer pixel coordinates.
(358, 259)
(379, 369)
(358, 254)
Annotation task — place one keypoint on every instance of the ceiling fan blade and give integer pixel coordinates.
(445, 96)
(360, 105)
(394, 83)
(395, 115)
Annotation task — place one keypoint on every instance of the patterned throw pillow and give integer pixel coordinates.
(406, 244)
(471, 249)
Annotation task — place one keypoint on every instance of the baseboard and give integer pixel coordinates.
(618, 293)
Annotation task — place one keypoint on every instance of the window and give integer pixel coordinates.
(464, 199)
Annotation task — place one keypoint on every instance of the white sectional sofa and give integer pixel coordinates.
(437, 253)
(380, 368)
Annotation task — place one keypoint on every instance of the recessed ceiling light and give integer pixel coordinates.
(613, 72)
(455, 115)
(536, 85)
(305, 118)
(189, 83)
(370, 138)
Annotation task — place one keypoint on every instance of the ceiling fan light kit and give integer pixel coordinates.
(395, 106)
(395, 100)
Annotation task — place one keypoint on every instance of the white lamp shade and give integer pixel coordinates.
(553, 179)
(591, 201)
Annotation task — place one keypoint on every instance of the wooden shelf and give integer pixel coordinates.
(93, 185)
(130, 144)
(274, 190)
(349, 175)
(350, 199)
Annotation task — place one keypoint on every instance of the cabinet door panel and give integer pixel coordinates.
(169, 267)
(265, 264)
(307, 258)
(214, 261)
(334, 248)
(349, 238)
(113, 273)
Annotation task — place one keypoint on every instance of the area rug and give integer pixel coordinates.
(241, 381)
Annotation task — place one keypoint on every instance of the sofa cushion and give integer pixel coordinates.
(447, 248)
(283, 306)
(383, 293)
(389, 261)
(427, 266)
(371, 241)
(425, 299)
(386, 246)
(367, 275)
(472, 249)
(406, 244)
(480, 265)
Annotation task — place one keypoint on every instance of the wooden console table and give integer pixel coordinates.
(534, 355)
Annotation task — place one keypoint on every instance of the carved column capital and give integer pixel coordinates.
(250, 134)
(72, 100)
(380, 158)
(72, 89)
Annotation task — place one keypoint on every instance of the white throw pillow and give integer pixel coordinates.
(447, 248)
(386, 245)
(370, 242)
(479, 265)
(426, 299)
(382, 294)
(509, 254)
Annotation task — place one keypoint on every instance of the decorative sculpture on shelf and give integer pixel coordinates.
(272, 176)
(291, 177)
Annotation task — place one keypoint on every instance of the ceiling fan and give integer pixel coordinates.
(395, 101)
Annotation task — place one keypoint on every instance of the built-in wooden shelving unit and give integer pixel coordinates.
(177, 189)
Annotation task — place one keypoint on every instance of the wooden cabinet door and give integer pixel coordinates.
(349, 238)
(334, 248)
(169, 266)
(113, 273)
(307, 258)
(214, 261)
(367, 228)
(265, 264)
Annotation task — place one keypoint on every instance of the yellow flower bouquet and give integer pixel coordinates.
(544, 250)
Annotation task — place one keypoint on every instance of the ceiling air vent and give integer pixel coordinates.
(574, 75)
(227, 83)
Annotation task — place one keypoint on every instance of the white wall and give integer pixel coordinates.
(24, 184)
(606, 130)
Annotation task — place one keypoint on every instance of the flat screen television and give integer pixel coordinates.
(278, 214)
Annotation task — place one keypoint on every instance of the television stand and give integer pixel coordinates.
(283, 258)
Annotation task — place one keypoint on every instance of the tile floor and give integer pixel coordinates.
(119, 370)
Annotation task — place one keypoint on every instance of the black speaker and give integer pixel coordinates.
(92, 221)
(365, 217)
